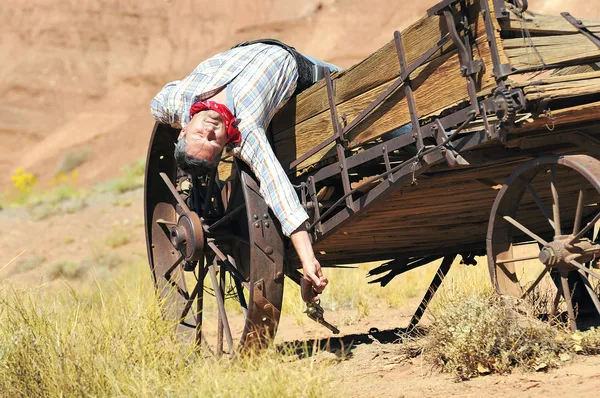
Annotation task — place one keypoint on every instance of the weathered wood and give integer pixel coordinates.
(547, 24)
(438, 84)
(563, 90)
(551, 50)
(576, 114)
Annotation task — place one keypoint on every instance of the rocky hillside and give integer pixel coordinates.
(79, 74)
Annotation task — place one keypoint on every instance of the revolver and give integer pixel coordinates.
(315, 312)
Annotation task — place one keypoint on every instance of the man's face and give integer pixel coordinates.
(205, 135)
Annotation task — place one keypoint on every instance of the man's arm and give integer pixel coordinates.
(161, 110)
(280, 196)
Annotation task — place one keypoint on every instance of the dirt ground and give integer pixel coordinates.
(371, 366)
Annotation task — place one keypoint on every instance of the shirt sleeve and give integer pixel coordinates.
(164, 110)
(275, 186)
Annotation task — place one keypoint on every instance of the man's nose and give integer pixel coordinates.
(210, 133)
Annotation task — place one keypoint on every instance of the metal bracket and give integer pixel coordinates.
(581, 27)
(500, 70)
(408, 91)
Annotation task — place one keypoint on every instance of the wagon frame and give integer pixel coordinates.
(476, 151)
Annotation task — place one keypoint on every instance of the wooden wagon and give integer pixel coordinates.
(473, 131)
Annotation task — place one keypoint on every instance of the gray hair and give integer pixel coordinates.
(189, 164)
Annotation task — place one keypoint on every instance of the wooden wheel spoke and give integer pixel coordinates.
(590, 290)
(525, 230)
(585, 269)
(585, 230)
(514, 260)
(555, 202)
(535, 283)
(579, 212)
(539, 203)
(554, 309)
(567, 296)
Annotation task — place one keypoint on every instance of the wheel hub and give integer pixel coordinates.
(560, 252)
(188, 237)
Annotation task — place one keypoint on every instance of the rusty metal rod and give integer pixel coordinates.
(173, 190)
(472, 115)
(221, 305)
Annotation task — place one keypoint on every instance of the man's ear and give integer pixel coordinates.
(182, 133)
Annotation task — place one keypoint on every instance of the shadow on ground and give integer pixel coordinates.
(343, 346)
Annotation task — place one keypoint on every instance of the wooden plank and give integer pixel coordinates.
(576, 114)
(551, 50)
(548, 24)
(563, 90)
(557, 79)
(439, 85)
(379, 68)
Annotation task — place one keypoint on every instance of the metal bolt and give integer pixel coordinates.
(264, 319)
(267, 224)
(269, 250)
(279, 274)
(341, 166)
(267, 307)
(265, 215)
(256, 225)
(383, 148)
(255, 217)
(153, 245)
(172, 251)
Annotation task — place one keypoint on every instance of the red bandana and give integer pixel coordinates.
(233, 133)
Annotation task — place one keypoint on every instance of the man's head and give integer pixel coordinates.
(201, 141)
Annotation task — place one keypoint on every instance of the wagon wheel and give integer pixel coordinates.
(205, 253)
(554, 203)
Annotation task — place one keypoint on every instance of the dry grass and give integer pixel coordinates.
(109, 339)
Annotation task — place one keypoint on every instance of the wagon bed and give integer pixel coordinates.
(502, 150)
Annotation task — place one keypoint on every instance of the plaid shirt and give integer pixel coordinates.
(260, 79)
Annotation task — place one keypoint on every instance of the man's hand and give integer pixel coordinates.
(313, 282)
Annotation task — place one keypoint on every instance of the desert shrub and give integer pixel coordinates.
(72, 160)
(587, 342)
(484, 333)
(117, 238)
(131, 179)
(67, 269)
(27, 263)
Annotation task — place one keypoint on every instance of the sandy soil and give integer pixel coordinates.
(372, 365)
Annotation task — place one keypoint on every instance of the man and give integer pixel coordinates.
(230, 99)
